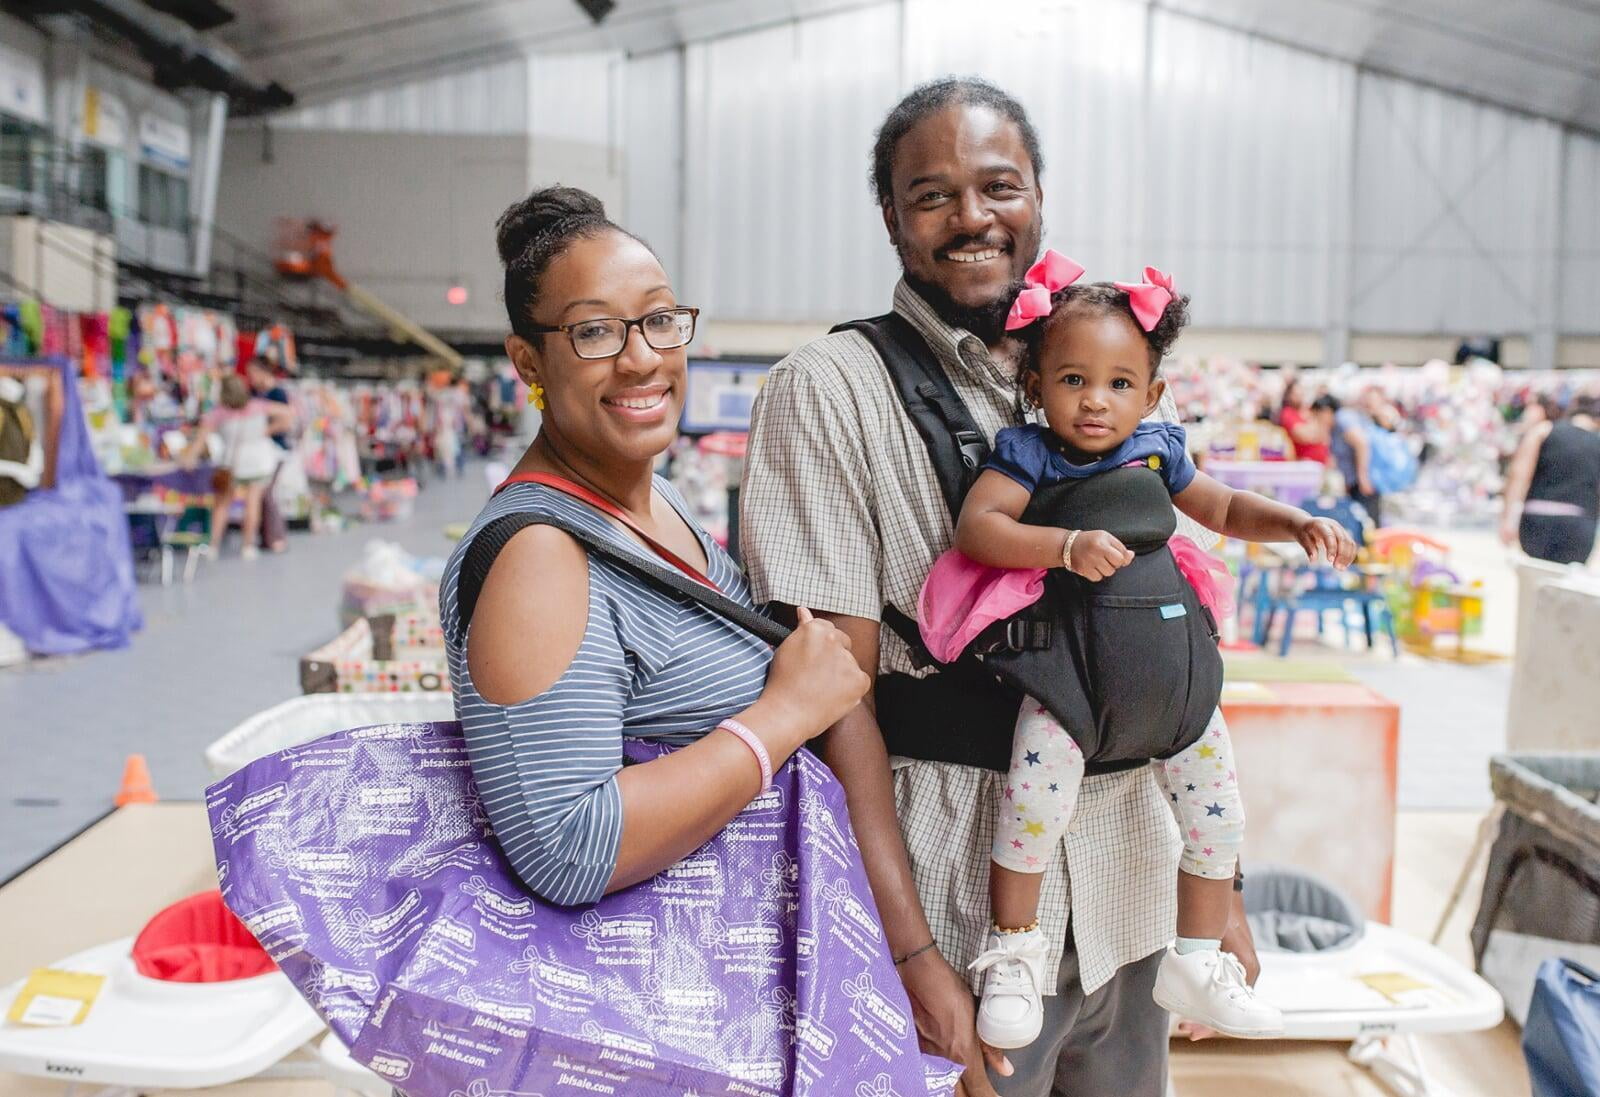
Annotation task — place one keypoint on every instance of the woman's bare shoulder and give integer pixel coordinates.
(530, 617)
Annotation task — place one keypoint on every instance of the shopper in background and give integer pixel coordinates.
(1350, 450)
(1306, 433)
(1552, 498)
(249, 457)
(264, 382)
(448, 406)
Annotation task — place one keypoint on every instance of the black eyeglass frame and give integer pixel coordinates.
(627, 327)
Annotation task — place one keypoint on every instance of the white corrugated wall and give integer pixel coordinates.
(1285, 190)
(492, 99)
(652, 153)
(1245, 173)
(778, 222)
(1580, 269)
(1452, 205)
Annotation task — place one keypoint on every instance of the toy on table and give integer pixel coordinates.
(389, 500)
(1427, 597)
(1283, 585)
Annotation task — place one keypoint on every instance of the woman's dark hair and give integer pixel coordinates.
(235, 393)
(1290, 387)
(932, 97)
(533, 232)
(1104, 299)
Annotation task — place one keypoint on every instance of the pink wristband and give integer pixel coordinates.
(757, 747)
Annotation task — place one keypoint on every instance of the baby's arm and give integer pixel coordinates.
(1252, 517)
(989, 532)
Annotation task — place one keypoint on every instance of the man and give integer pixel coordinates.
(842, 513)
(1351, 451)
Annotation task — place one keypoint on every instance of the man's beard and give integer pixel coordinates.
(987, 322)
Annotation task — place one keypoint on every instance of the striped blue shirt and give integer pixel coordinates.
(651, 665)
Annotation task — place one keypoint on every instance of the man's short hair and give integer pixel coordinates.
(1326, 402)
(932, 97)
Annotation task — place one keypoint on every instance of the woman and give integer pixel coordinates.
(1309, 438)
(563, 660)
(1552, 497)
(249, 456)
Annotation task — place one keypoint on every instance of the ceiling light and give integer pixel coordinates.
(597, 10)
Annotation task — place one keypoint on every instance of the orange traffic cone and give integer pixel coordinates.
(136, 787)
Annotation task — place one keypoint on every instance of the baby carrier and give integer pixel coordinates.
(1129, 665)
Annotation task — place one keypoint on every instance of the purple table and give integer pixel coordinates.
(1291, 482)
(157, 478)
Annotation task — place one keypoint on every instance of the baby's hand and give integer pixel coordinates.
(1326, 537)
(1096, 555)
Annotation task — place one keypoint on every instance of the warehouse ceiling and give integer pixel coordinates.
(323, 49)
(1539, 56)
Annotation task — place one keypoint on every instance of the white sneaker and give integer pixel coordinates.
(1209, 987)
(1011, 1012)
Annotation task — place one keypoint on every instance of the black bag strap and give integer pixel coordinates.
(490, 540)
(954, 440)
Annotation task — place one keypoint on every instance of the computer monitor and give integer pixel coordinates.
(721, 392)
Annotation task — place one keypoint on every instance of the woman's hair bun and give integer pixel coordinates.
(553, 209)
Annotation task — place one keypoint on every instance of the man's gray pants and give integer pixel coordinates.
(1112, 1043)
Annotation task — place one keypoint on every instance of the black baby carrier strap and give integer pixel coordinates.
(962, 713)
(1129, 665)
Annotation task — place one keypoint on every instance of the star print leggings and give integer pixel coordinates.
(1042, 789)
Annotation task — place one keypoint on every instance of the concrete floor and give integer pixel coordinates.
(211, 654)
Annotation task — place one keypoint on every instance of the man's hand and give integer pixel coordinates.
(947, 1024)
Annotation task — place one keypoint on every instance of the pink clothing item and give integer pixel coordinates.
(1206, 574)
(1052, 272)
(962, 597)
(1149, 299)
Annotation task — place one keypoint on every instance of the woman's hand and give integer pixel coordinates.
(1096, 555)
(1511, 530)
(814, 681)
(1329, 538)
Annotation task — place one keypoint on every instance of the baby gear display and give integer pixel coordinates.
(1541, 892)
(1562, 1037)
(1337, 976)
(192, 1001)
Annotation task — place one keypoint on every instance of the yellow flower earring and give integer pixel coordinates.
(536, 396)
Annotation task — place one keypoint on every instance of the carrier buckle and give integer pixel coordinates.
(1023, 634)
(974, 450)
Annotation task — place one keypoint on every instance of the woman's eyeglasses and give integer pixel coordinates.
(605, 336)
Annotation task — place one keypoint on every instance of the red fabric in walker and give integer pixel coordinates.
(198, 940)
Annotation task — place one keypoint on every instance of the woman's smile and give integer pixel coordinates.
(640, 404)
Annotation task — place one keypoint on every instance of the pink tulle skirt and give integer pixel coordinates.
(962, 597)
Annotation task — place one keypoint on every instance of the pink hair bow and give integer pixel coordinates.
(1052, 272)
(1150, 298)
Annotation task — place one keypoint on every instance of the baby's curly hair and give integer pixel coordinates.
(1107, 300)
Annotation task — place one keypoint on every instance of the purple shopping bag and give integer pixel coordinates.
(755, 966)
